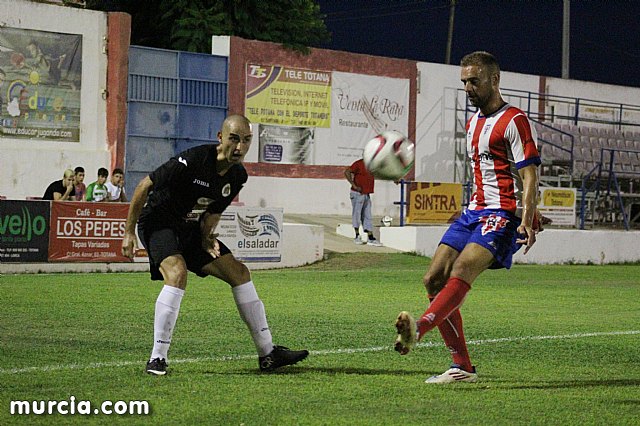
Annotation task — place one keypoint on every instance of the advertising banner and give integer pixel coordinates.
(362, 107)
(252, 234)
(286, 145)
(287, 96)
(432, 203)
(87, 232)
(559, 205)
(24, 231)
(40, 79)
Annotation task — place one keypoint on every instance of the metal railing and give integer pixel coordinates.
(606, 166)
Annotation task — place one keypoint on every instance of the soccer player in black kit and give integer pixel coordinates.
(209, 177)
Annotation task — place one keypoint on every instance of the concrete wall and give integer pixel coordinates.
(552, 246)
(308, 189)
(301, 245)
(28, 166)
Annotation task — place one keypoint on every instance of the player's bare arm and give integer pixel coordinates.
(208, 224)
(529, 177)
(349, 175)
(135, 207)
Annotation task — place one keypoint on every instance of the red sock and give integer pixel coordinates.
(448, 300)
(453, 336)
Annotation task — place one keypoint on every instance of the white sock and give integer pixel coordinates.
(252, 312)
(167, 308)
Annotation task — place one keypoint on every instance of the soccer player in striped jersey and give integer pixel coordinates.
(502, 150)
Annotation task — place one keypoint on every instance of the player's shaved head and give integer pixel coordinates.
(234, 121)
(235, 139)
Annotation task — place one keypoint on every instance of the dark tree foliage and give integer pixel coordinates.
(189, 24)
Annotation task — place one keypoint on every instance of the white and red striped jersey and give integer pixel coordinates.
(498, 145)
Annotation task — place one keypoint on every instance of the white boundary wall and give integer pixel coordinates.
(28, 166)
(552, 246)
(301, 245)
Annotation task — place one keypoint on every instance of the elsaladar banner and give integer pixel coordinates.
(24, 230)
(252, 234)
(40, 79)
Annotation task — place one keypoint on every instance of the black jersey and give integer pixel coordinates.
(190, 182)
(58, 186)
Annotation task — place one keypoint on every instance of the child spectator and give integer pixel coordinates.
(97, 191)
(78, 183)
(116, 186)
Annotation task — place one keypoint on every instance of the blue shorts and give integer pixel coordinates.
(495, 230)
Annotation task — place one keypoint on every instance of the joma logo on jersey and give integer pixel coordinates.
(486, 129)
(201, 183)
(493, 223)
(485, 156)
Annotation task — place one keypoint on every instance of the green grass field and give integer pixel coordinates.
(552, 344)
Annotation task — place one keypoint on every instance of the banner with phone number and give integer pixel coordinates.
(87, 232)
(24, 231)
(288, 96)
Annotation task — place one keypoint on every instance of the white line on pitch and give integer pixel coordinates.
(117, 364)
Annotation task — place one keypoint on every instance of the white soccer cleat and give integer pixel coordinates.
(452, 375)
(358, 241)
(406, 327)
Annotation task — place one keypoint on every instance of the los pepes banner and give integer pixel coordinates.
(87, 232)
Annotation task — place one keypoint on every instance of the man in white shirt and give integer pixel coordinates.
(116, 186)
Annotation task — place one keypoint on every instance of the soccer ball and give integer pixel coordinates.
(386, 220)
(389, 155)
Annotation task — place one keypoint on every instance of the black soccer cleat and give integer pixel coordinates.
(281, 356)
(157, 366)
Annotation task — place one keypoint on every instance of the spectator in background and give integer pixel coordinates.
(97, 191)
(116, 186)
(361, 189)
(61, 190)
(78, 183)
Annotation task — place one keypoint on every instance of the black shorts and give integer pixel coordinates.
(184, 239)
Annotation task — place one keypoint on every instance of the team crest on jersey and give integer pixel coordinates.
(226, 190)
(493, 223)
(204, 201)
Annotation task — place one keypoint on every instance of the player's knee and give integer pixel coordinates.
(433, 283)
(236, 273)
(241, 273)
(175, 273)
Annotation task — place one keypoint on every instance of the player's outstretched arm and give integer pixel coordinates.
(135, 207)
(529, 176)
